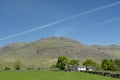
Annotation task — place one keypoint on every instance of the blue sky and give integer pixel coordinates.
(87, 21)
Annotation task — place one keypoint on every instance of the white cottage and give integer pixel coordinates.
(79, 68)
(82, 68)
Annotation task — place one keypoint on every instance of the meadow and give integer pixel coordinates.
(47, 75)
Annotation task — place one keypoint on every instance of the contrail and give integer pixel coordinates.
(109, 21)
(59, 21)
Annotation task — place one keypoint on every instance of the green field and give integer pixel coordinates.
(32, 75)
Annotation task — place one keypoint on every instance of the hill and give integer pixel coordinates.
(44, 52)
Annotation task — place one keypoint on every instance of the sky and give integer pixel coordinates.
(87, 21)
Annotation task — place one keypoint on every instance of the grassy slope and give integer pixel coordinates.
(51, 76)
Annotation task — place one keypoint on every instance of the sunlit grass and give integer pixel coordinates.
(32, 75)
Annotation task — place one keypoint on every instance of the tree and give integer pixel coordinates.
(109, 65)
(105, 64)
(117, 61)
(113, 66)
(17, 65)
(90, 62)
(74, 62)
(62, 62)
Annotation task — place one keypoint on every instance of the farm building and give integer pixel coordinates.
(79, 68)
(82, 68)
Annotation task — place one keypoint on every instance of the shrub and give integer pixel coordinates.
(17, 65)
(7, 68)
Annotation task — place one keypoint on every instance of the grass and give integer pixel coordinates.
(32, 75)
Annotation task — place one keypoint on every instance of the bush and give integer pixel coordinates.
(7, 68)
(17, 65)
(54, 68)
